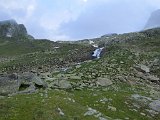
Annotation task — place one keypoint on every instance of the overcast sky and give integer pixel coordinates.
(78, 19)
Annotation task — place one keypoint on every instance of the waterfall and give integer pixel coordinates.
(97, 52)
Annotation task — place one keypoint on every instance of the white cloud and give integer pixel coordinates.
(49, 16)
(53, 21)
(21, 10)
(154, 3)
(85, 0)
(30, 10)
(16, 5)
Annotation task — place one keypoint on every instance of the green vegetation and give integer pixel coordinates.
(24, 55)
(74, 104)
(127, 97)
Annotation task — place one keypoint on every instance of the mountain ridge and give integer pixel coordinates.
(10, 28)
(154, 20)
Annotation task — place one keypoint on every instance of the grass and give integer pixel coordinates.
(74, 105)
(28, 54)
(117, 60)
(36, 107)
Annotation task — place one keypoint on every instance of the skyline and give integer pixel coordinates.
(78, 19)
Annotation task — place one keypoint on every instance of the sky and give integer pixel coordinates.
(78, 19)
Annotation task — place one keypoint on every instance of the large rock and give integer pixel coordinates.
(65, 84)
(62, 84)
(90, 112)
(104, 82)
(29, 89)
(30, 78)
(153, 78)
(147, 76)
(142, 68)
(155, 94)
(141, 98)
(8, 84)
(155, 105)
(154, 62)
(29, 82)
(141, 75)
(13, 83)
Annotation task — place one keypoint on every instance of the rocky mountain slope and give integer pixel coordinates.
(154, 20)
(60, 80)
(10, 28)
(18, 52)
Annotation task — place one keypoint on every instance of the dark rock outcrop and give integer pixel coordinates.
(23, 83)
(10, 28)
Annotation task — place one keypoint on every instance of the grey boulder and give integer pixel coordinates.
(155, 105)
(8, 84)
(142, 68)
(31, 78)
(104, 82)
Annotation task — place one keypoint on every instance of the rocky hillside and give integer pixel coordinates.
(18, 52)
(59, 80)
(154, 20)
(43, 55)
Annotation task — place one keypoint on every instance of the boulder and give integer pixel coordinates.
(155, 94)
(121, 78)
(112, 108)
(13, 76)
(29, 82)
(30, 78)
(63, 84)
(13, 83)
(153, 78)
(104, 82)
(30, 89)
(8, 84)
(90, 112)
(140, 100)
(155, 105)
(45, 75)
(142, 68)
(147, 76)
(154, 62)
(141, 75)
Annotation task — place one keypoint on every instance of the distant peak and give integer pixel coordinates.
(10, 28)
(154, 20)
(158, 10)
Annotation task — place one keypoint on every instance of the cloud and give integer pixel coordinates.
(77, 19)
(85, 0)
(53, 22)
(154, 3)
(21, 10)
(10, 5)
(46, 16)
(52, 19)
(110, 16)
